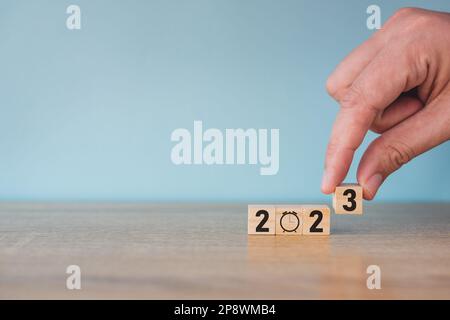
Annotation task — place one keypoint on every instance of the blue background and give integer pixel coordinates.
(87, 115)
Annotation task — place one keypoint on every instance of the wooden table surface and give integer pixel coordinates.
(203, 252)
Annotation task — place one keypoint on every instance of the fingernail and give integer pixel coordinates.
(373, 183)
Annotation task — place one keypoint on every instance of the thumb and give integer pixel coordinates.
(424, 130)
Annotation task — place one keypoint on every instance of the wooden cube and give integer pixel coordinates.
(289, 220)
(348, 199)
(261, 219)
(316, 220)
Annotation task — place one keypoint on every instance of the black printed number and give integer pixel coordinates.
(351, 199)
(260, 227)
(317, 222)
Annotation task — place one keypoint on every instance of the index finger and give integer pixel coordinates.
(390, 73)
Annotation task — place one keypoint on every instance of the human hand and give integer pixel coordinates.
(396, 84)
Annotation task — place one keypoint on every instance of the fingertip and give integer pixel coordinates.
(327, 190)
(327, 183)
(371, 186)
(367, 196)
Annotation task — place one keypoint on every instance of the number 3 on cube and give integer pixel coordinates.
(347, 199)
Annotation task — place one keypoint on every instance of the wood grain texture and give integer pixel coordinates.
(310, 218)
(254, 220)
(204, 252)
